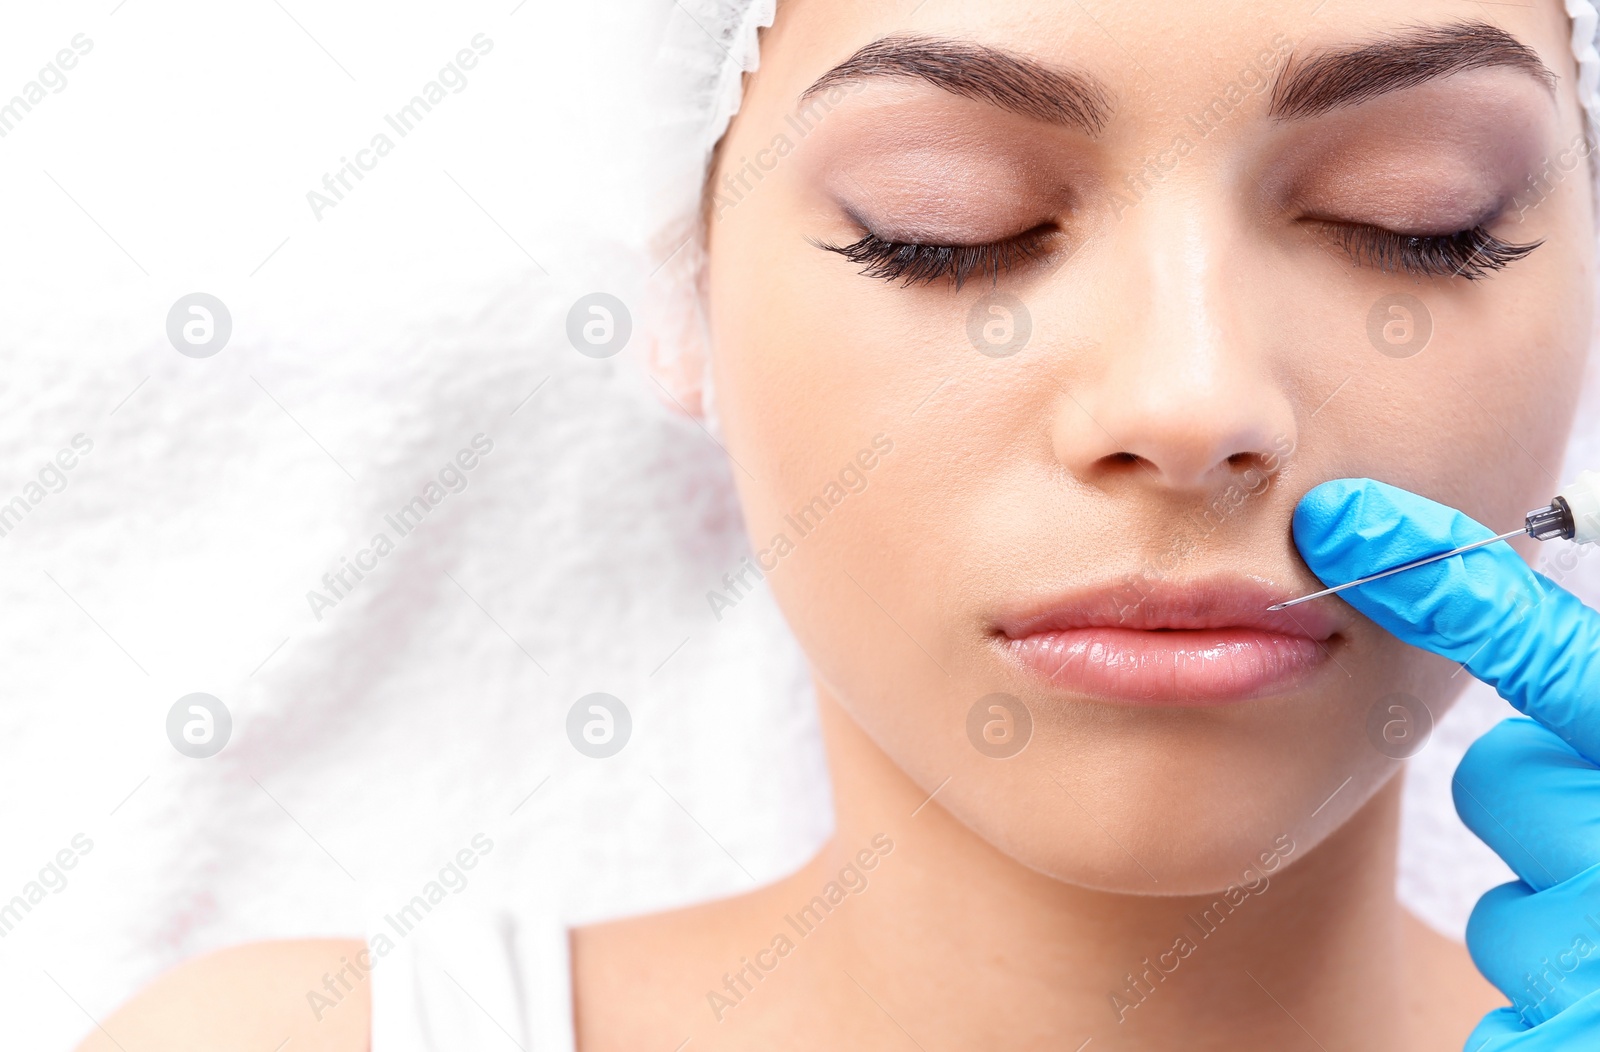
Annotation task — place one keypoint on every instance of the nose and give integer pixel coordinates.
(1185, 389)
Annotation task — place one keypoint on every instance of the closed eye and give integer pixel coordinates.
(1471, 253)
(922, 263)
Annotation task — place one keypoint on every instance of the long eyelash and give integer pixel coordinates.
(914, 263)
(1471, 253)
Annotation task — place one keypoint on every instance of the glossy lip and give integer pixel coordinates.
(1204, 642)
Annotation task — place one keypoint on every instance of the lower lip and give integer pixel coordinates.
(1210, 666)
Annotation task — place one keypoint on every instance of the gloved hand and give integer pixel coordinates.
(1530, 788)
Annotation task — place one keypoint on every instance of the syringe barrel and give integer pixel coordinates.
(1582, 496)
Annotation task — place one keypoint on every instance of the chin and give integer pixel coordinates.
(1192, 808)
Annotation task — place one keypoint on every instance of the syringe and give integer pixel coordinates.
(1573, 515)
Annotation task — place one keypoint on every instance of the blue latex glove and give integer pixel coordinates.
(1530, 788)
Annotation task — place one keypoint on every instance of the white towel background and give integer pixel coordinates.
(370, 345)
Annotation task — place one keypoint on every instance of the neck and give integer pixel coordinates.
(962, 946)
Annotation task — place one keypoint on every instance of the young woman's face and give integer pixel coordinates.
(1209, 255)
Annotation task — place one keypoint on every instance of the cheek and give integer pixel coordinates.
(812, 363)
(818, 371)
(1478, 415)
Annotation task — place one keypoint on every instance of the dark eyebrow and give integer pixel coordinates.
(986, 74)
(1342, 77)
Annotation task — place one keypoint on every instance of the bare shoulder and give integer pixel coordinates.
(1450, 996)
(627, 974)
(310, 993)
(641, 982)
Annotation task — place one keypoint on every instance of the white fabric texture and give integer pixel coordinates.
(369, 346)
(371, 342)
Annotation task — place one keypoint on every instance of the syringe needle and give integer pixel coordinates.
(1397, 569)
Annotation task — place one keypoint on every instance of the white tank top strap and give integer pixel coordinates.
(466, 979)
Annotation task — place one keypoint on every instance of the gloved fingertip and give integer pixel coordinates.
(1488, 913)
(1321, 509)
(1334, 517)
(1497, 754)
(1351, 527)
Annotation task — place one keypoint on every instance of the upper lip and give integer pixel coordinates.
(1226, 601)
